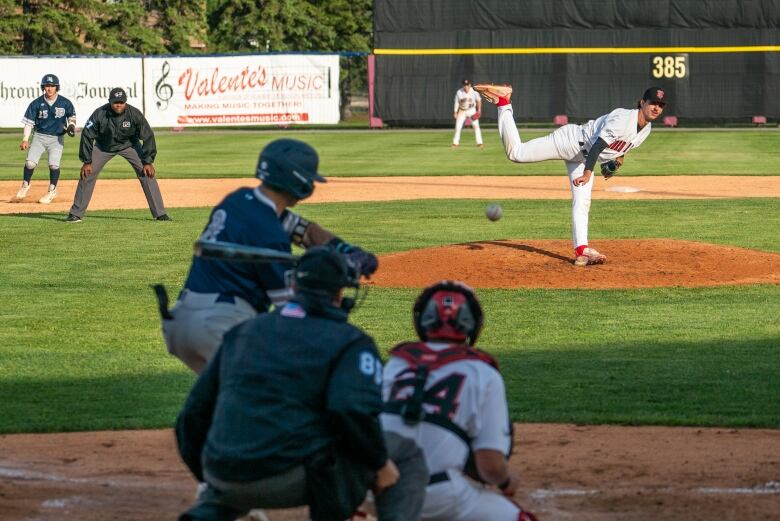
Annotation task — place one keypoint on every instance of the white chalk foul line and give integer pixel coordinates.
(545, 493)
(771, 487)
(28, 475)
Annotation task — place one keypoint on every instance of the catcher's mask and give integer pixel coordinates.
(448, 310)
(50, 79)
(322, 272)
(289, 166)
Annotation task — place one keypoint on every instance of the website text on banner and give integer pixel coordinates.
(84, 81)
(242, 90)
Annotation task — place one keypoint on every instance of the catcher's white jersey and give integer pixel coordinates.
(465, 100)
(470, 393)
(618, 129)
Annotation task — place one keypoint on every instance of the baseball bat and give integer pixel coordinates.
(241, 253)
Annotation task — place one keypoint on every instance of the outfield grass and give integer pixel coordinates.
(80, 347)
(217, 153)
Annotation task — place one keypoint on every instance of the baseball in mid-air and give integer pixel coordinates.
(493, 212)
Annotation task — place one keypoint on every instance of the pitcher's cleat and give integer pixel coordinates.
(493, 93)
(588, 257)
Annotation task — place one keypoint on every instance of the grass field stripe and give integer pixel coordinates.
(581, 50)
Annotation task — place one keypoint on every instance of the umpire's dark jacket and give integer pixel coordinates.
(281, 388)
(115, 132)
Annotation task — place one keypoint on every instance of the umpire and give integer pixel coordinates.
(286, 412)
(117, 128)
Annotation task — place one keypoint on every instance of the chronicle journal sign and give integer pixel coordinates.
(86, 82)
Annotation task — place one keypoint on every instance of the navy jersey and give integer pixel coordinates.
(243, 218)
(49, 118)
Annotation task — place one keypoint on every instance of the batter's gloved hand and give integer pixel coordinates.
(71, 130)
(366, 262)
(476, 116)
(609, 168)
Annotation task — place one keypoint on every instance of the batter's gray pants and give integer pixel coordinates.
(227, 501)
(99, 159)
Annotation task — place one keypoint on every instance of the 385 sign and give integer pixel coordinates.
(669, 67)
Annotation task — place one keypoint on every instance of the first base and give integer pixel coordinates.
(623, 189)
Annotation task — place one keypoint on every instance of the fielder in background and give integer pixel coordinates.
(449, 397)
(287, 412)
(219, 294)
(117, 128)
(468, 104)
(605, 140)
(51, 116)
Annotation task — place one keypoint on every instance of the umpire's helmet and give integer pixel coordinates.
(324, 271)
(448, 310)
(290, 166)
(50, 79)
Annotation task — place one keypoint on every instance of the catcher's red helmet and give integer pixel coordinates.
(448, 310)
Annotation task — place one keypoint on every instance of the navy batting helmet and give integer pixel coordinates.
(50, 79)
(448, 310)
(290, 166)
(324, 271)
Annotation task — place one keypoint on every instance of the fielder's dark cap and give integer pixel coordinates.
(117, 95)
(323, 269)
(655, 95)
(289, 165)
(466, 82)
(50, 79)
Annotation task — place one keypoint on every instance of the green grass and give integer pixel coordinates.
(226, 153)
(80, 346)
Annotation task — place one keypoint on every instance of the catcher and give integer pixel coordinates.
(449, 398)
(468, 104)
(605, 140)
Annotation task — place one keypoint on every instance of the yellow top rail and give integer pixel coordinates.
(581, 50)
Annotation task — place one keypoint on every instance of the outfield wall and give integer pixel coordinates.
(184, 91)
(716, 59)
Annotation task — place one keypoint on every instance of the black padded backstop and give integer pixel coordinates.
(717, 59)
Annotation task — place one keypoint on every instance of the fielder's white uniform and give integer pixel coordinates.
(466, 106)
(471, 394)
(570, 143)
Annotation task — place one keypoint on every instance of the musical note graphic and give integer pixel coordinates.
(162, 90)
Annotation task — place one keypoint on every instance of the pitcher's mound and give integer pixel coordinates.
(549, 264)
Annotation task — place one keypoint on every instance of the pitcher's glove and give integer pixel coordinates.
(609, 168)
(71, 130)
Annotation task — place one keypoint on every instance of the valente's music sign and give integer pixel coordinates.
(242, 90)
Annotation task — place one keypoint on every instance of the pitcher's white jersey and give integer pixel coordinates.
(618, 129)
(465, 100)
(467, 392)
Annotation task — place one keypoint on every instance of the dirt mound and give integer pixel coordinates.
(549, 264)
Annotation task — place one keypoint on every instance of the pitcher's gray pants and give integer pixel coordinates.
(99, 159)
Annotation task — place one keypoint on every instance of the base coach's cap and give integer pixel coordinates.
(655, 95)
(117, 95)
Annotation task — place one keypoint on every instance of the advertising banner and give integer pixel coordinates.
(242, 90)
(84, 81)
